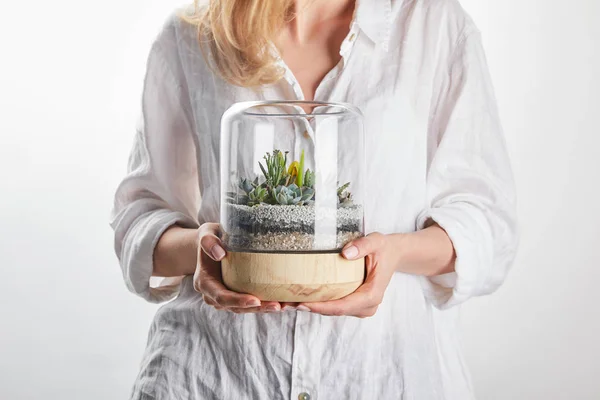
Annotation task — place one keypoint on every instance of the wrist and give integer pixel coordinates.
(189, 253)
(399, 244)
(176, 252)
(427, 252)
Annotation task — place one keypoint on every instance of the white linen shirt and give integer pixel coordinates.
(417, 71)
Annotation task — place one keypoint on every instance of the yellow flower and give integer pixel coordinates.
(293, 169)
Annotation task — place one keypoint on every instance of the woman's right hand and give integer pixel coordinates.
(208, 280)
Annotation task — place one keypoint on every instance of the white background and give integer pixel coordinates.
(70, 84)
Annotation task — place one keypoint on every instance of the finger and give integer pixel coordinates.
(270, 306)
(211, 302)
(289, 306)
(236, 310)
(211, 245)
(227, 298)
(363, 246)
(210, 284)
(352, 304)
(208, 300)
(368, 295)
(251, 310)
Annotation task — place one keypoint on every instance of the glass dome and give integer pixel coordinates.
(291, 176)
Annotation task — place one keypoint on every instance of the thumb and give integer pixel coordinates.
(210, 242)
(362, 247)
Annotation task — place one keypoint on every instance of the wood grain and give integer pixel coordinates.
(292, 277)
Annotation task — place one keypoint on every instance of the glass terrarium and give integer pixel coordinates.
(291, 197)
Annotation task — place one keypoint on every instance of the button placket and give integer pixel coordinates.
(297, 382)
(305, 373)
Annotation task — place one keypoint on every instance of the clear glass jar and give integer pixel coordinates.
(292, 177)
(290, 180)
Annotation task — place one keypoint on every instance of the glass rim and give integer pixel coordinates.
(345, 108)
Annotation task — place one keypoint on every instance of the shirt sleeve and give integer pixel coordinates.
(161, 186)
(470, 188)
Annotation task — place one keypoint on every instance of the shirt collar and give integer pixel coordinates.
(374, 18)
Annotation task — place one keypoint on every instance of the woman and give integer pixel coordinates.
(441, 215)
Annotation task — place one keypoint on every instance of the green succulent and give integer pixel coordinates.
(257, 195)
(245, 185)
(283, 196)
(344, 195)
(275, 172)
(300, 176)
(292, 194)
(309, 179)
(237, 198)
(251, 194)
(283, 185)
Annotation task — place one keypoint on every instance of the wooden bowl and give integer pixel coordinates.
(292, 277)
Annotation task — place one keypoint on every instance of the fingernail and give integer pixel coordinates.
(288, 308)
(302, 308)
(217, 252)
(272, 308)
(350, 252)
(253, 303)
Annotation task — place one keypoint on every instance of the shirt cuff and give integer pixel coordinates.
(469, 232)
(138, 251)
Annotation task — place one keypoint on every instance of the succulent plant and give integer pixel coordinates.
(257, 195)
(284, 196)
(237, 198)
(253, 193)
(309, 179)
(275, 172)
(283, 185)
(300, 172)
(245, 185)
(344, 195)
(292, 173)
(292, 195)
(293, 169)
(307, 194)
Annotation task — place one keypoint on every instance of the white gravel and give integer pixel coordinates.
(277, 218)
(291, 228)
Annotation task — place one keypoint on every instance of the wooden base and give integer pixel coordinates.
(292, 277)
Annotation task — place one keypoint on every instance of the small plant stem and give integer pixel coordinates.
(300, 176)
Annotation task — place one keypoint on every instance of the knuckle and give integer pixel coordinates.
(210, 229)
(376, 238)
(207, 241)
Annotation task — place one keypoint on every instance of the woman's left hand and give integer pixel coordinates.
(382, 258)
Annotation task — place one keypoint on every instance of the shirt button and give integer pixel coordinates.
(305, 134)
(304, 396)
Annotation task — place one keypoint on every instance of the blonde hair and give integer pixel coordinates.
(238, 34)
